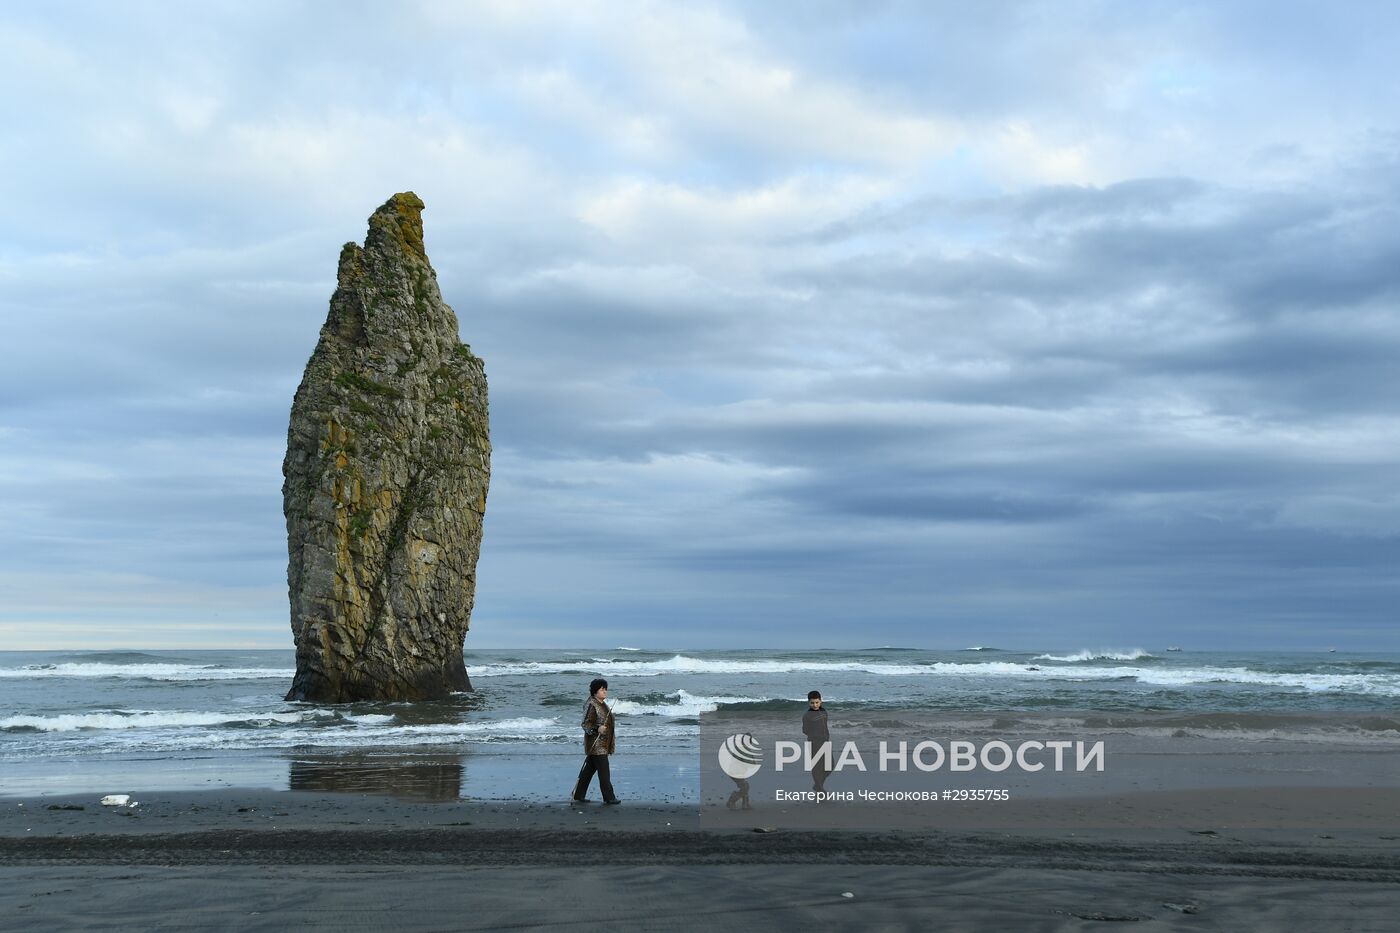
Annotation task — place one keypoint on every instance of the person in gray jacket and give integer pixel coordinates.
(818, 739)
(599, 741)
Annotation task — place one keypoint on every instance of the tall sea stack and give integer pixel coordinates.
(388, 460)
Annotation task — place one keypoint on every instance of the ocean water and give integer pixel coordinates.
(119, 721)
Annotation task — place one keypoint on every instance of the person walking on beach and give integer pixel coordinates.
(741, 785)
(818, 740)
(599, 741)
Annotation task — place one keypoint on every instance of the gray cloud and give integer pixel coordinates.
(1034, 319)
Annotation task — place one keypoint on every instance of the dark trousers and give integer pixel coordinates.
(594, 764)
(821, 767)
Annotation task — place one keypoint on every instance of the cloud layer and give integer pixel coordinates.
(821, 324)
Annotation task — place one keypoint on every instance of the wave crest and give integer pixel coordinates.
(146, 671)
(158, 719)
(1134, 654)
(686, 705)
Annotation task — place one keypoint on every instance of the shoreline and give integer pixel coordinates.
(201, 859)
(455, 817)
(255, 826)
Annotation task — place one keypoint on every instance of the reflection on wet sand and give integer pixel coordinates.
(438, 778)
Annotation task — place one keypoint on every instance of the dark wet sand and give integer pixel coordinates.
(275, 861)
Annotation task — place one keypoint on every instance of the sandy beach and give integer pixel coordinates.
(932, 464)
(260, 859)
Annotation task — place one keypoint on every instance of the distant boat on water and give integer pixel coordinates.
(1173, 648)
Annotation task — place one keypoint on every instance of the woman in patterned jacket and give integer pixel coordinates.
(599, 741)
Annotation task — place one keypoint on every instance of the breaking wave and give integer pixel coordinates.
(144, 730)
(142, 671)
(1136, 654)
(157, 719)
(685, 704)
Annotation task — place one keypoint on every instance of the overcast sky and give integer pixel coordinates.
(806, 324)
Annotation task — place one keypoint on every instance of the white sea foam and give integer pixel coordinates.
(518, 725)
(1380, 684)
(444, 735)
(369, 719)
(181, 732)
(1135, 654)
(681, 664)
(1374, 684)
(146, 671)
(687, 705)
(154, 719)
(150, 719)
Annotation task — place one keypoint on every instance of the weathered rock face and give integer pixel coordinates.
(388, 460)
